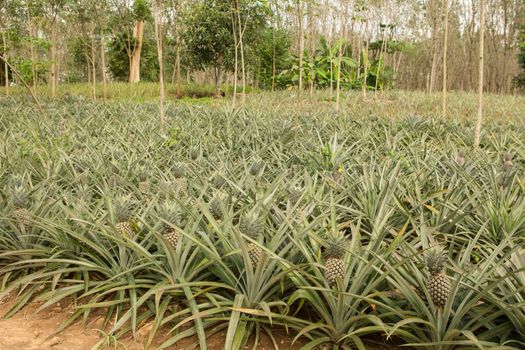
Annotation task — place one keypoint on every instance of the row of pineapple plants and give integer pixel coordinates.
(347, 230)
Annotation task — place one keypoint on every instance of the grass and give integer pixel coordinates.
(139, 92)
(381, 171)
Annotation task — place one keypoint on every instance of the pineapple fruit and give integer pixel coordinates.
(335, 267)
(144, 186)
(460, 158)
(507, 164)
(249, 225)
(123, 215)
(20, 201)
(217, 204)
(170, 216)
(218, 180)
(179, 170)
(438, 284)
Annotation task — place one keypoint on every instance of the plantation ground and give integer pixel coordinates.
(220, 224)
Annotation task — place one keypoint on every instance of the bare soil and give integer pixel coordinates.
(32, 330)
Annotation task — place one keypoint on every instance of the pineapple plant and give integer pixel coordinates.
(256, 167)
(144, 185)
(179, 170)
(21, 203)
(460, 158)
(250, 226)
(195, 153)
(294, 194)
(170, 216)
(335, 267)
(438, 283)
(123, 216)
(507, 165)
(217, 204)
(218, 180)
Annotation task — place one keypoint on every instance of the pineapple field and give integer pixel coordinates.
(374, 227)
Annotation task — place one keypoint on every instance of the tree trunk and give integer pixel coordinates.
(93, 70)
(236, 61)
(217, 78)
(31, 49)
(134, 69)
(103, 63)
(477, 132)
(273, 60)
(241, 46)
(301, 44)
(6, 67)
(365, 73)
(53, 65)
(158, 31)
(445, 46)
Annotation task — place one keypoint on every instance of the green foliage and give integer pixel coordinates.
(142, 10)
(520, 79)
(118, 59)
(209, 33)
(209, 36)
(272, 52)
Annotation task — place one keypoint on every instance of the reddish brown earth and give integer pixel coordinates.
(32, 330)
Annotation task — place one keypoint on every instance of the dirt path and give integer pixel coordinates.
(29, 330)
(34, 331)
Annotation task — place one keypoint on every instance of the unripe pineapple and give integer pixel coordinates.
(438, 284)
(180, 186)
(460, 158)
(507, 165)
(179, 170)
(123, 215)
(254, 252)
(20, 201)
(144, 186)
(217, 204)
(250, 226)
(195, 153)
(170, 216)
(256, 167)
(218, 180)
(335, 267)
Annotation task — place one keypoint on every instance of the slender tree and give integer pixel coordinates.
(4, 55)
(445, 46)
(158, 10)
(477, 131)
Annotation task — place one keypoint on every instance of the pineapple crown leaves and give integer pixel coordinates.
(195, 153)
(335, 245)
(169, 214)
(179, 170)
(122, 207)
(435, 259)
(16, 180)
(217, 202)
(294, 193)
(218, 179)
(256, 166)
(250, 225)
(20, 197)
(142, 173)
(166, 189)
